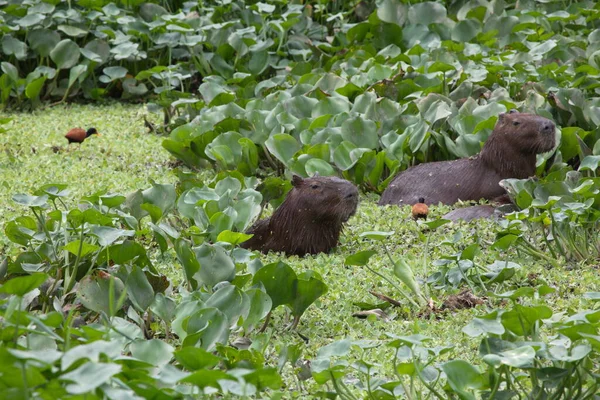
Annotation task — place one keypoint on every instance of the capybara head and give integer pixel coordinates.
(322, 197)
(517, 138)
(309, 220)
(527, 133)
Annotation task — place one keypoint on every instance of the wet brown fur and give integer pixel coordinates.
(510, 152)
(310, 219)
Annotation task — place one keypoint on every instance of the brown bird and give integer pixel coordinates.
(78, 135)
(420, 209)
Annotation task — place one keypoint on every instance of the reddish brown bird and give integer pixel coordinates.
(420, 209)
(78, 135)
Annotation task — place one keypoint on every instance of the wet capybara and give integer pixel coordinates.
(509, 152)
(310, 219)
(496, 209)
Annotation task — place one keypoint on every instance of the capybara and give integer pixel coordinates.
(310, 219)
(509, 152)
(496, 209)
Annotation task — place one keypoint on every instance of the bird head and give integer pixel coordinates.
(91, 131)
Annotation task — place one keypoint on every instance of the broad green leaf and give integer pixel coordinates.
(360, 258)
(427, 13)
(139, 289)
(72, 31)
(206, 328)
(308, 289)
(77, 247)
(94, 292)
(89, 376)
(33, 89)
(260, 305)
(278, 280)
(195, 359)
(30, 20)
(282, 146)
(65, 54)
(231, 301)
(234, 238)
(376, 235)
(42, 41)
(463, 377)
(113, 73)
(187, 259)
(13, 46)
(153, 351)
(215, 264)
(22, 285)
(361, 132)
(30, 201)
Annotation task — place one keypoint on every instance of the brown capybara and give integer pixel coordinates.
(509, 152)
(496, 209)
(473, 212)
(310, 219)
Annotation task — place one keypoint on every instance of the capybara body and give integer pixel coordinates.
(496, 209)
(310, 219)
(470, 213)
(509, 152)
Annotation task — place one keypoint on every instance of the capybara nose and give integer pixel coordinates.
(548, 127)
(353, 192)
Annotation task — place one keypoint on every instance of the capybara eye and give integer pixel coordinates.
(515, 123)
(314, 186)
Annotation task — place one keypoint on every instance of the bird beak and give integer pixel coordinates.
(98, 134)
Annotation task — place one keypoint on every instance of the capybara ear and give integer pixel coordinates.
(297, 180)
(501, 118)
(513, 111)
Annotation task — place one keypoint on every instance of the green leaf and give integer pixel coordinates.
(208, 378)
(215, 265)
(153, 351)
(590, 163)
(282, 146)
(404, 272)
(207, 327)
(30, 20)
(72, 31)
(278, 280)
(426, 13)
(10, 70)
(23, 284)
(94, 292)
(13, 46)
(360, 132)
(234, 238)
(360, 258)
(77, 73)
(376, 235)
(33, 88)
(89, 376)
(30, 201)
(187, 258)
(139, 289)
(108, 235)
(260, 305)
(42, 41)
(86, 248)
(113, 73)
(65, 54)
(309, 288)
(463, 377)
(195, 359)
(231, 301)
(487, 324)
